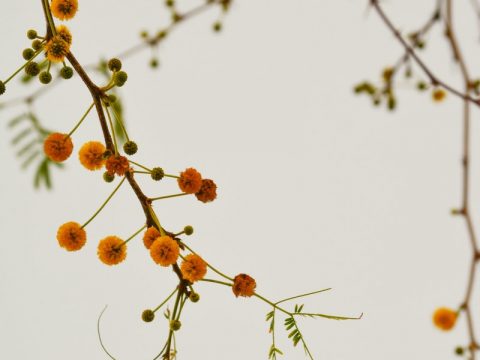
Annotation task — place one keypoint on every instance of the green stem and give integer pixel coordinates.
(210, 266)
(141, 172)
(271, 303)
(165, 301)
(141, 166)
(170, 334)
(184, 300)
(120, 121)
(105, 203)
(22, 67)
(113, 130)
(100, 336)
(81, 120)
(172, 176)
(303, 295)
(50, 18)
(217, 282)
(168, 196)
(131, 237)
(156, 220)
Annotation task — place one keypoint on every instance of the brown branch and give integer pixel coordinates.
(458, 56)
(467, 100)
(431, 76)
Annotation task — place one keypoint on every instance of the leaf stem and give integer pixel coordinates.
(81, 120)
(104, 203)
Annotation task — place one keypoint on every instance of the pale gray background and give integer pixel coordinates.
(316, 188)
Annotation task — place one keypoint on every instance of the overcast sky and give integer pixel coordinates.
(317, 188)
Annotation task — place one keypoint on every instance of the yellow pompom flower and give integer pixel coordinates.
(65, 34)
(91, 155)
(190, 181)
(112, 250)
(71, 236)
(438, 95)
(64, 9)
(57, 48)
(150, 236)
(58, 147)
(164, 251)
(193, 268)
(243, 285)
(444, 318)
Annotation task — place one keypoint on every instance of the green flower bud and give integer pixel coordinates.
(45, 77)
(148, 315)
(66, 72)
(154, 63)
(421, 86)
(217, 27)
(36, 44)
(112, 98)
(157, 173)
(144, 34)
(28, 53)
(120, 78)
(108, 177)
(391, 103)
(2, 88)
(459, 350)
(169, 3)
(114, 65)
(194, 297)
(188, 230)
(162, 34)
(130, 147)
(32, 68)
(175, 325)
(31, 34)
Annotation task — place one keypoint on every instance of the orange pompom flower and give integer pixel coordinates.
(64, 34)
(117, 164)
(58, 147)
(150, 236)
(164, 251)
(193, 268)
(64, 9)
(91, 155)
(71, 236)
(190, 181)
(243, 285)
(444, 318)
(57, 48)
(112, 250)
(438, 95)
(207, 192)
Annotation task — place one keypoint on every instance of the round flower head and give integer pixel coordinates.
(64, 9)
(243, 285)
(150, 236)
(208, 191)
(91, 155)
(190, 181)
(444, 318)
(438, 95)
(117, 165)
(164, 251)
(112, 250)
(71, 236)
(193, 268)
(56, 49)
(58, 147)
(64, 34)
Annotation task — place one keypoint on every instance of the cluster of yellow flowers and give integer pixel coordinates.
(166, 249)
